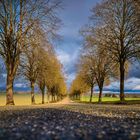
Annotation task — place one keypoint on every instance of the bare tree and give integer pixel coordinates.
(16, 19)
(87, 73)
(34, 60)
(41, 78)
(44, 64)
(97, 59)
(30, 68)
(100, 69)
(137, 8)
(122, 30)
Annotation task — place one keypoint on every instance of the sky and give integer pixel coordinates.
(74, 16)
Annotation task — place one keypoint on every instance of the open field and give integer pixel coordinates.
(70, 121)
(25, 99)
(108, 99)
(22, 99)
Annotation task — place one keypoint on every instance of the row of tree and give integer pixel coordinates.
(40, 66)
(26, 29)
(111, 43)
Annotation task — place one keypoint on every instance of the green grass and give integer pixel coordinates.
(107, 99)
(22, 99)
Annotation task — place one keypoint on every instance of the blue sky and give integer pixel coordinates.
(74, 16)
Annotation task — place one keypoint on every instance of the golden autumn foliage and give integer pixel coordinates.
(19, 19)
(78, 86)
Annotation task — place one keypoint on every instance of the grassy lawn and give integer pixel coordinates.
(107, 99)
(22, 99)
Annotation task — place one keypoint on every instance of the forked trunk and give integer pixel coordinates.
(9, 90)
(32, 93)
(122, 74)
(91, 94)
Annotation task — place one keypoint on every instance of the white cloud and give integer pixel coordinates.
(71, 77)
(137, 88)
(132, 83)
(67, 58)
(113, 85)
(18, 85)
(4, 75)
(63, 57)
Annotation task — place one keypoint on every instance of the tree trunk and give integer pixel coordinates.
(91, 94)
(122, 74)
(76, 96)
(32, 93)
(52, 98)
(79, 97)
(57, 97)
(43, 92)
(100, 94)
(9, 90)
(61, 97)
(48, 97)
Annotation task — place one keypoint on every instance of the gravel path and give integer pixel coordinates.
(70, 122)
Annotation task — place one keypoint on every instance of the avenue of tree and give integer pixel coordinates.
(27, 28)
(111, 43)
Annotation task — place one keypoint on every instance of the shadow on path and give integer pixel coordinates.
(52, 123)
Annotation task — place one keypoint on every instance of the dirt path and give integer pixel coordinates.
(66, 100)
